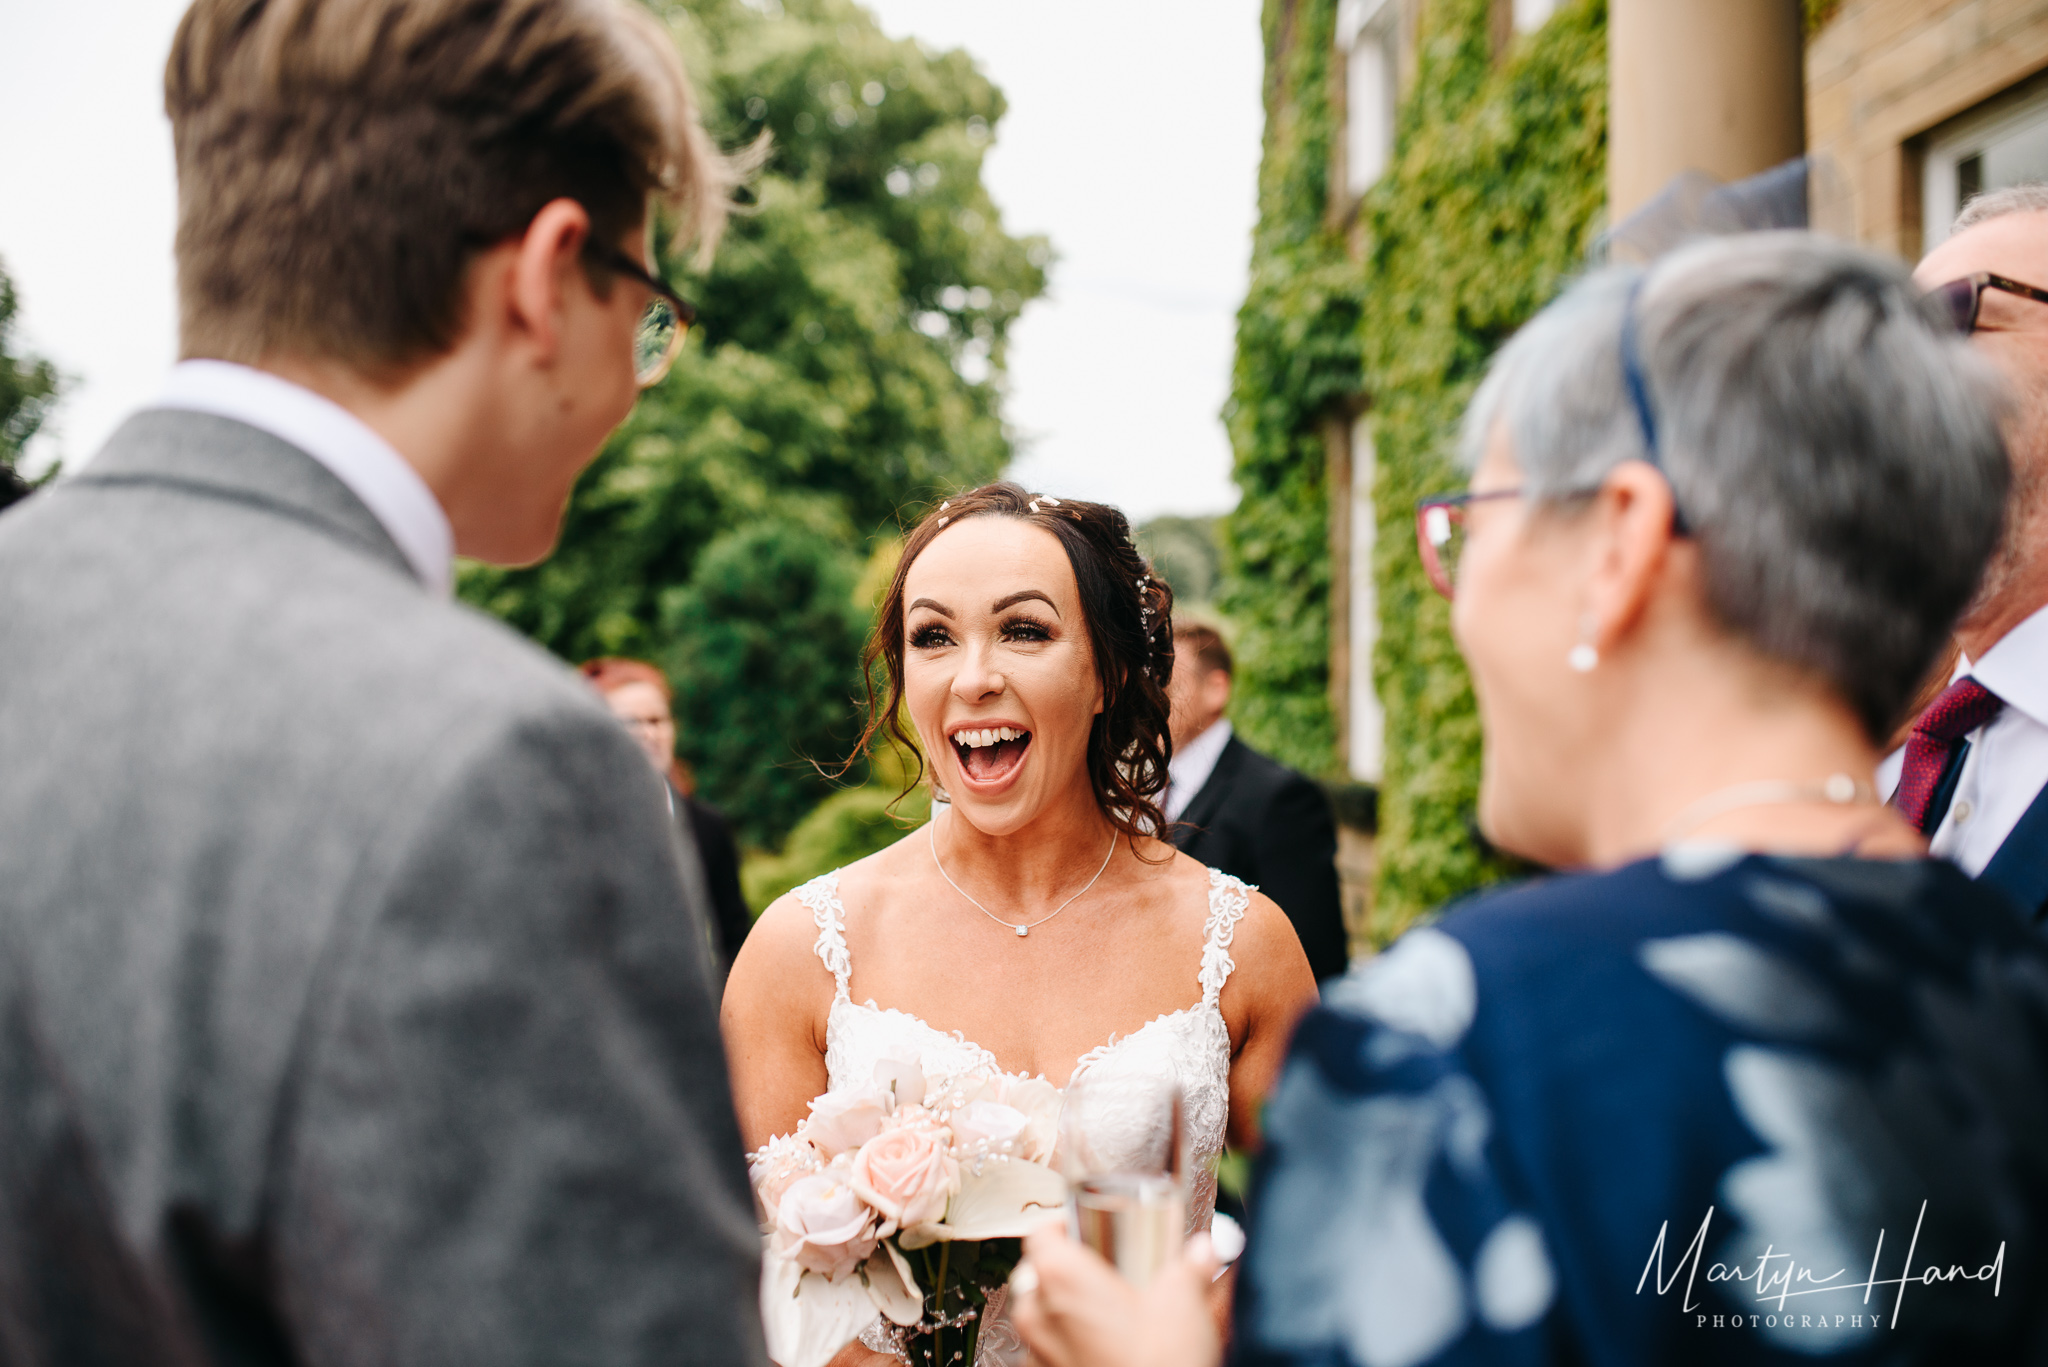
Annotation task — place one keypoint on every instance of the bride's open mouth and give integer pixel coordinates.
(990, 754)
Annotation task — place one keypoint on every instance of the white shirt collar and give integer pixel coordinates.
(1191, 766)
(371, 468)
(2016, 667)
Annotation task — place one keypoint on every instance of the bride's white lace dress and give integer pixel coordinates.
(1191, 1044)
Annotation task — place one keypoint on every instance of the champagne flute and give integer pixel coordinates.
(1123, 1149)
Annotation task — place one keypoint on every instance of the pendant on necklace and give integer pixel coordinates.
(1022, 931)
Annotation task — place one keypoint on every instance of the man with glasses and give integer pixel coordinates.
(1973, 773)
(355, 1003)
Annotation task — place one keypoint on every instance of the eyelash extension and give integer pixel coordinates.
(1029, 628)
(928, 637)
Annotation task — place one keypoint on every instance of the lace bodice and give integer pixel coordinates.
(1192, 1044)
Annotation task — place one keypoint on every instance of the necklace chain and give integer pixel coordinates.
(1021, 927)
(1837, 790)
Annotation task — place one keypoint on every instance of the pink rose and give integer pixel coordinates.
(823, 1225)
(845, 1120)
(907, 1174)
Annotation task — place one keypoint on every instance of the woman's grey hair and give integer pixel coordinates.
(1831, 445)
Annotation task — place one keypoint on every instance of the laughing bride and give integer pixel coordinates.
(1035, 925)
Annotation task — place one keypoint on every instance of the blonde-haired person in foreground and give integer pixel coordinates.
(355, 1005)
(1761, 1083)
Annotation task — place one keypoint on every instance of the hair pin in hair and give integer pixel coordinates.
(942, 522)
(1034, 506)
(947, 504)
(1048, 498)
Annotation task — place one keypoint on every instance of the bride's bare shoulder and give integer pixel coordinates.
(1270, 967)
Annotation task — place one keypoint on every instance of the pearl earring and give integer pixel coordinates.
(1582, 658)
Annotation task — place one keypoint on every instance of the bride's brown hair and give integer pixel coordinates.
(1129, 612)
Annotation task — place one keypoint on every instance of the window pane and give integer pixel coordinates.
(2002, 144)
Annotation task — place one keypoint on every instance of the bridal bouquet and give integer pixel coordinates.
(907, 1199)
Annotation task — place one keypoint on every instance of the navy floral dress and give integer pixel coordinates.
(1704, 1108)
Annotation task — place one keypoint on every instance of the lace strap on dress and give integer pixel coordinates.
(1229, 899)
(821, 895)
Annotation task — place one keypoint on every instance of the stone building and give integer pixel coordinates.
(1900, 110)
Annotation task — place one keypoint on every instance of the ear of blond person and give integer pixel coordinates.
(390, 203)
(1074, 1310)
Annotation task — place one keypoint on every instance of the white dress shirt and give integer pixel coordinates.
(373, 471)
(2008, 760)
(1191, 766)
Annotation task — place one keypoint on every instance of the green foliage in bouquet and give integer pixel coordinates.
(1297, 355)
(962, 1275)
(851, 331)
(1495, 194)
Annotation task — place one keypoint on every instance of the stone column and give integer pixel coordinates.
(1700, 85)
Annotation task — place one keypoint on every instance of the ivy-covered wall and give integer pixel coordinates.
(1498, 189)
(1297, 356)
(1495, 193)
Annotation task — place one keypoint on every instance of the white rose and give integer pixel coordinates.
(1039, 1102)
(823, 1226)
(987, 1122)
(773, 1167)
(843, 1121)
(902, 1080)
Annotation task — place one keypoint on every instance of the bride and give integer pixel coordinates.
(1035, 924)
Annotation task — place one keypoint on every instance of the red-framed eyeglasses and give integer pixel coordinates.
(1440, 534)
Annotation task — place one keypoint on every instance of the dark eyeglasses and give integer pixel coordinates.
(1962, 298)
(1440, 534)
(663, 324)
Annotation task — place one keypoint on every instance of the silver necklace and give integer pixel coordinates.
(1020, 927)
(1837, 790)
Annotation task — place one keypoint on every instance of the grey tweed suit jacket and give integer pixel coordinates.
(355, 1004)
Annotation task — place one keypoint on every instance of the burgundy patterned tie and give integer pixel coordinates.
(1963, 706)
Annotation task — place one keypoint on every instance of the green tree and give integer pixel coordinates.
(844, 366)
(28, 387)
(763, 631)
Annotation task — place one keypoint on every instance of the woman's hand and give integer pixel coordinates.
(1075, 1311)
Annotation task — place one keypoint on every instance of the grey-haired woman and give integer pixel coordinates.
(1763, 1083)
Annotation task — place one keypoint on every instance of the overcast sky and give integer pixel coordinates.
(1132, 142)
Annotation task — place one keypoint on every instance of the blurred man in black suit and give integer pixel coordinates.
(1250, 816)
(638, 695)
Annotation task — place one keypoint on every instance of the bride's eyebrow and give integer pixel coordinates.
(939, 608)
(1022, 596)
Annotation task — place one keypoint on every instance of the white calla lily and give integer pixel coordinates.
(1006, 1199)
(807, 1319)
(892, 1288)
